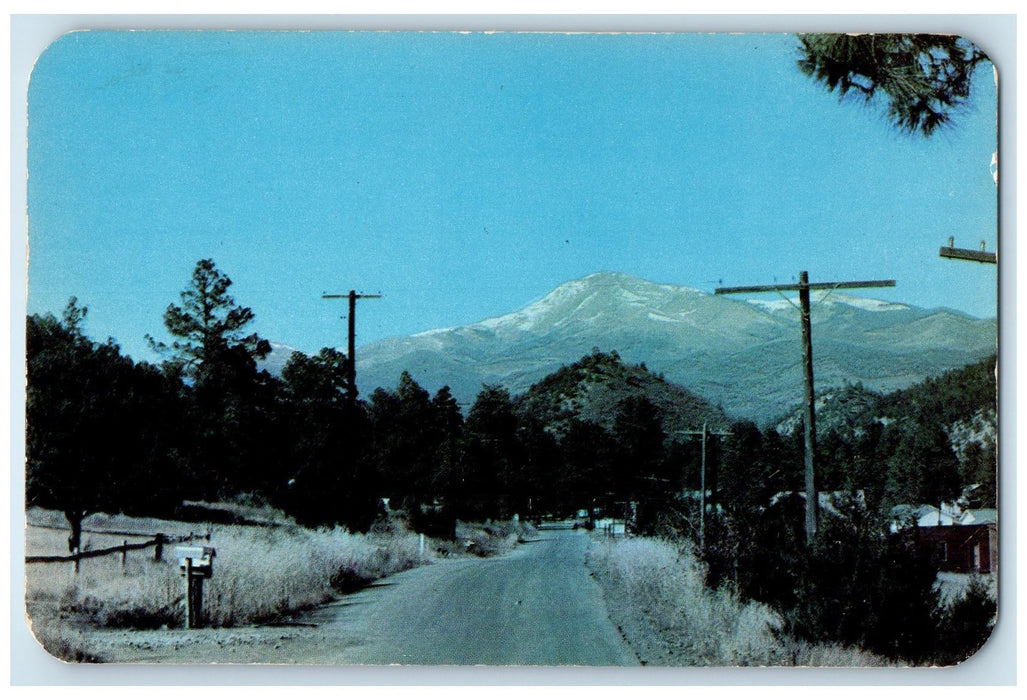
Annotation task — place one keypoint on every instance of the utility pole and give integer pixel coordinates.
(702, 480)
(810, 437)
(351, 374)
(981, 256)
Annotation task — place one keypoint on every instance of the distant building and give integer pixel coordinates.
(964, 541)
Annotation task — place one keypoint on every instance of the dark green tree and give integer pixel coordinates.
(744, 483)
(639, 434)
(925, 78)
(208, 327)
(493, 461)
(330, 479)
(405, 442)
(318, 381)
(232, 403)
(542, 464)
(448, 422)
(587, 475)
(980, 468)
(857, 586)
(923, 467)
(101, 431)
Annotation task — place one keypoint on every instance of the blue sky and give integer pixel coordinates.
(465, 175)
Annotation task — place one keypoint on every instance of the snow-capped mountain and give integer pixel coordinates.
(742, 354)
(276, 360)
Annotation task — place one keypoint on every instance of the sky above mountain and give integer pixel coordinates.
(466, 175)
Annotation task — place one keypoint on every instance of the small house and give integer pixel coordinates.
(964, 541)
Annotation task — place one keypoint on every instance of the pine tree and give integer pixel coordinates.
(209, 327)
(232, 414)
(925, 78)
(329, 480)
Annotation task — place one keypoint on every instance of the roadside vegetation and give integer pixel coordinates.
(262, 574)
(658, 597)
(846, 601)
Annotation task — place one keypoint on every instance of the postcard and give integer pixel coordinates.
(512, 349)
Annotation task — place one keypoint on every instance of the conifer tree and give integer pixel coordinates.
(208, 326)
(232, 414)
(925, 78)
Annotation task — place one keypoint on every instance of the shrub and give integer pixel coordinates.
(856, 586)
(665, 586)
(966, 623)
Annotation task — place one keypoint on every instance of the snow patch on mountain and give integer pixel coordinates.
(829, 298)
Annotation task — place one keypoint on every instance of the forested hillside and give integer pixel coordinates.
(934, 440)
(592, 388)
(107, 433)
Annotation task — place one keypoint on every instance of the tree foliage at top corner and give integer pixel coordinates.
(925, 77)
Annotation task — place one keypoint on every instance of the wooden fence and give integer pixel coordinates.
(158, 542)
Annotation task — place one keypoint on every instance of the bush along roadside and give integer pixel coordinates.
(855, 585)
(657, 596)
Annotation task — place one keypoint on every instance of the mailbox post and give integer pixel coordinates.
(195, 564)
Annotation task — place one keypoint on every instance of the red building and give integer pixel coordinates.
(963, 549)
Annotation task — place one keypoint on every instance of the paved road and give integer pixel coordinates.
(537, 606)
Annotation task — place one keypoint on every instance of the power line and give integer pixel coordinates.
(702, 479)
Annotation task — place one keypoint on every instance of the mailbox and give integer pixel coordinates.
(202, 560)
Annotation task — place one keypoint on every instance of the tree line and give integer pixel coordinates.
(206, 424)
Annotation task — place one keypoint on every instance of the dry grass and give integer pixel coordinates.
(492, 538)
(657, 595)
(260, 574)
(265, 574)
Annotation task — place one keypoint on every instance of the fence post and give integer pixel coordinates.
(158, 548)
(124, 554)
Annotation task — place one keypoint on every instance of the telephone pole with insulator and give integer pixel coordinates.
(810, 437)
(351, 356)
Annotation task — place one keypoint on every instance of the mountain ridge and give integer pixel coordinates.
(742, 354)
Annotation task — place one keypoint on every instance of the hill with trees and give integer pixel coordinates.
(592, 388)
(932, 441)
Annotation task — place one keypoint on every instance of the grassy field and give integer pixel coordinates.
(657, 596)
(261, 574)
